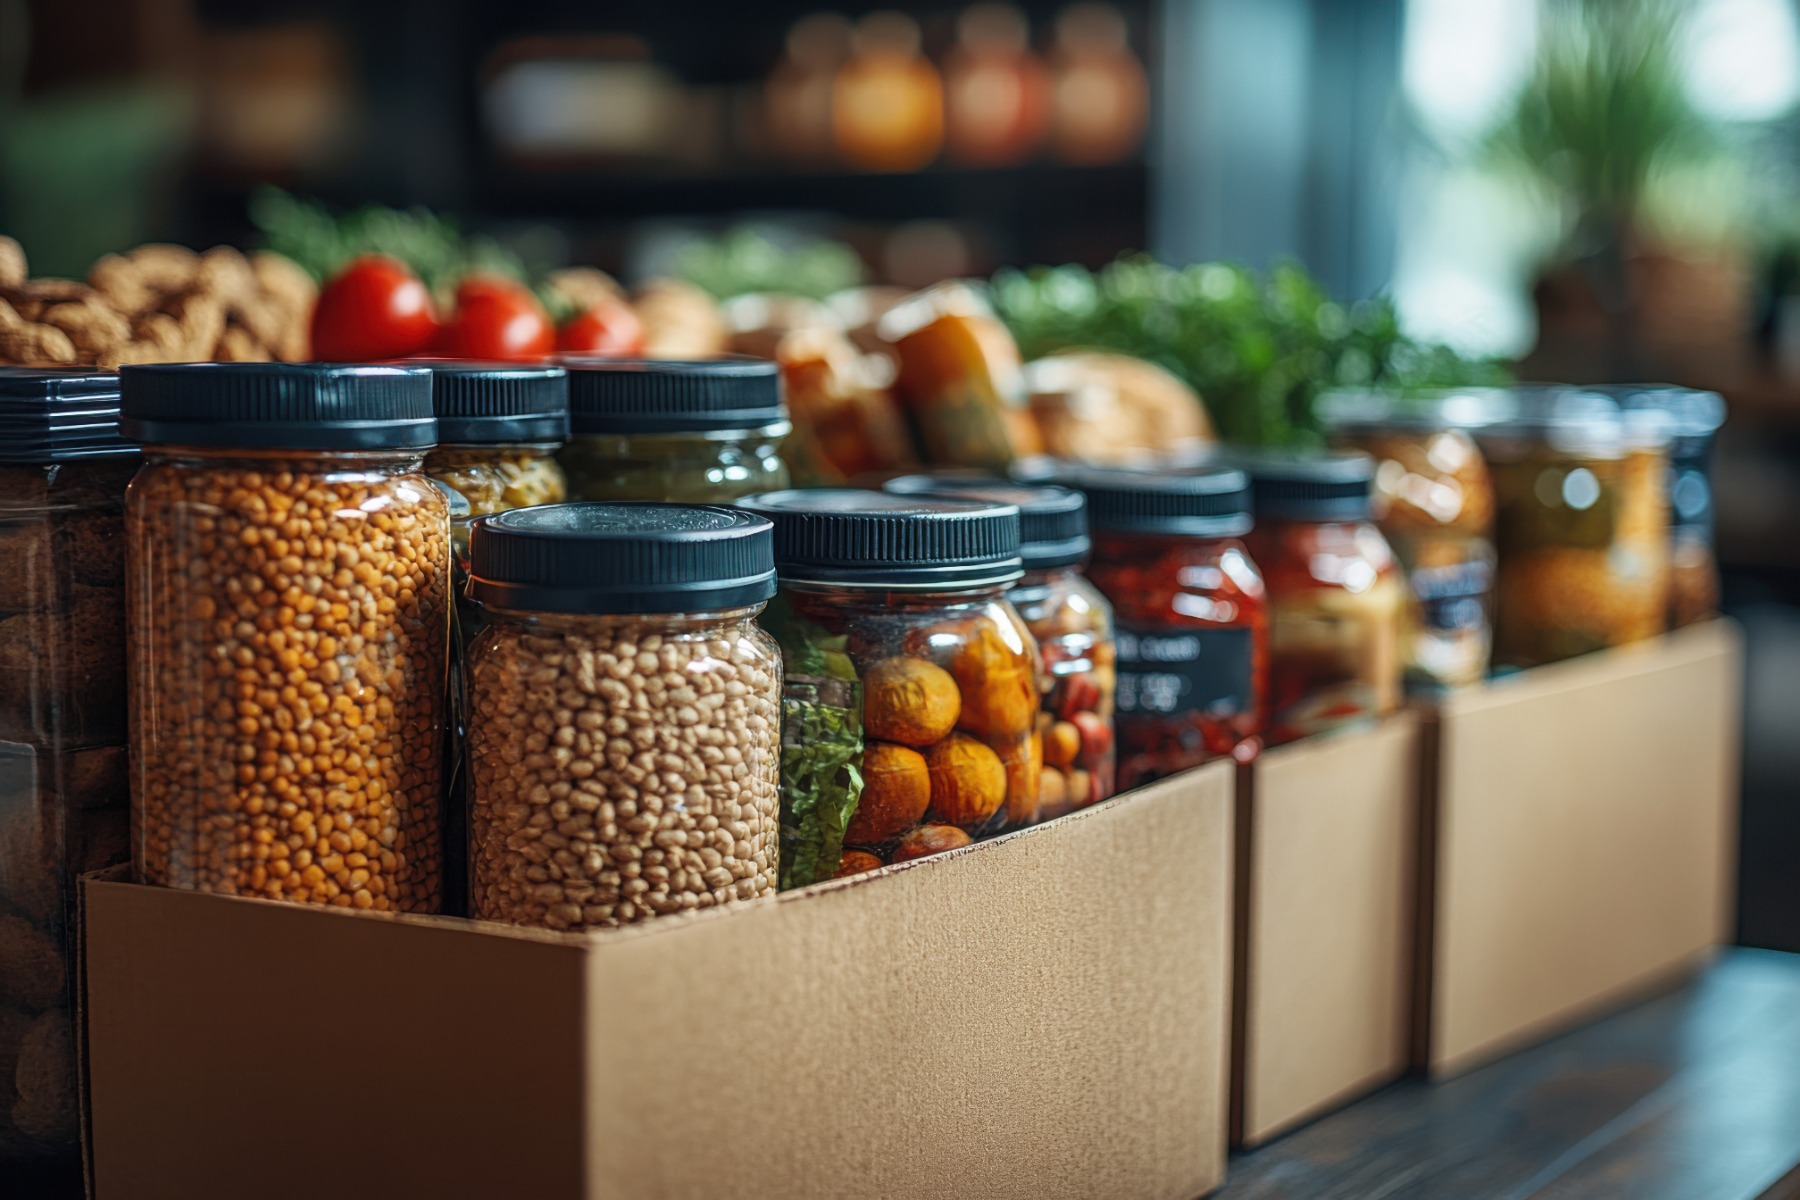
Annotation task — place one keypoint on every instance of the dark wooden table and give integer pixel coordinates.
(1693, 1095)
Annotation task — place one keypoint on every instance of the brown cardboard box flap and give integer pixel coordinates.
(1043, 1015)
(1327, 930)
(1583, 838)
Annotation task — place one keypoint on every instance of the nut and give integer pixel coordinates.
(968, 781)
(930, 839)
(909, 700)
(13, 268)
(288, 648)
(896, 792)
(620, 770)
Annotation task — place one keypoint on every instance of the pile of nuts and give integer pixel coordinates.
(289, 631)
(618, 773)
(159, 303)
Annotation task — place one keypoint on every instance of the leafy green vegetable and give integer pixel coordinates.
(1257, 347)
(746, 261)
(307, 232)
(821, 746)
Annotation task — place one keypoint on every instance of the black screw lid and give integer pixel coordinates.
(609, 395)
(278, 406)
(1052, 520)
(51, 414)
(875, 539)
(495, 404)
(621, 558)
(1310, 487)
(1201, 501)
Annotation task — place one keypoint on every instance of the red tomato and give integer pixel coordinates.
(609, 330)
(497, 320)
(373, 309)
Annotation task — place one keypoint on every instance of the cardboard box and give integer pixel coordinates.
(1579, 841)
(1043, 1015)
(1324, 924)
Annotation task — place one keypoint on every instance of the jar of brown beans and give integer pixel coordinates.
(287, 633)
(624, 734)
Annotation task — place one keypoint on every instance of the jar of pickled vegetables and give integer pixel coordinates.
(688, 432)
(1693, 419)
(1189, 615)
(287, 632)
(1582, 530)
(910, 693)
(499, 427)
(1336, 595)
(1434, 502)
(1072, 623)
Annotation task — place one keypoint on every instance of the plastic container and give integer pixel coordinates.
(63, 472)
(686, 432)
(624, 741)
(1694, 419)
(288, 628)
(499, 428)
(1336, 595)
(1189, 611)
(1582, 531)
(910, 696)
(1072, 623)
(1433, 500)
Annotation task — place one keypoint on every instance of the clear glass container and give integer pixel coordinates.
(1583, 531)
(1433, 501)
(1189, 616)
(288, 632)
(63, 807)
(911, 690)
(1337, 597)
(684, 432)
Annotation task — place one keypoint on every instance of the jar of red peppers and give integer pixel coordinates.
(1072, 623)
(1189, 617)
(910, 684)
(1336, 595)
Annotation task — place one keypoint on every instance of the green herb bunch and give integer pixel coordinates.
(432, 245)
(745, 261)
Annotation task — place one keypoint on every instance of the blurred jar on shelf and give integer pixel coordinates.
(887, 101)
(1100, 95)
(1336, 596)
(1693, 419)
(996, 91)
(797, 96)
(1434, 502)
(1582, 529)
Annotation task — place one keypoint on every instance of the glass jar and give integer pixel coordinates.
(1693, 419)
(624, 738)
(1189, 615)
(499, 428)
(1583, 530)
(1434, 502)
(910, 696)
(288, 632)
(1336, 595)
(1072, 624)
(63, 472)
(687, 432)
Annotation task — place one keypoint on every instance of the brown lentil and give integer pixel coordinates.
(288, 641)
(621, 768)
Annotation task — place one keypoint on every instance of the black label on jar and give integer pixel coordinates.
(1166, 671)
(1453, 597)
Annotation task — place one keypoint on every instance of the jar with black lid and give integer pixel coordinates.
(1189, 614)
(1337, 599)
(288, 632)
(63, 473)
(624, 735)
(704, 432)
(1072, 623)
(910, 698)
